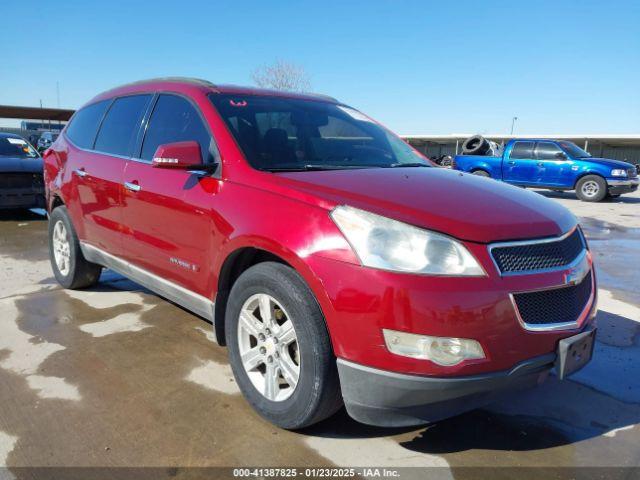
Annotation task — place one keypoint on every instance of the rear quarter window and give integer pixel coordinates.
(84, 124)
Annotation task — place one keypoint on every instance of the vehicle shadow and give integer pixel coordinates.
(564, 195)
(18, 215)
(602, 399)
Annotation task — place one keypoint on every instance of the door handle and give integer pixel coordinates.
(540, 164)
(134, 187)
(80, 172)
(511, 162)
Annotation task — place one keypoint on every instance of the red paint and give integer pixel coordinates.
(202, 222)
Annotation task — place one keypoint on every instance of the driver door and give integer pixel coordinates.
(554, 164)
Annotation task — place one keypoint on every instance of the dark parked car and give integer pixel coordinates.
(21, 184)
(45, 140)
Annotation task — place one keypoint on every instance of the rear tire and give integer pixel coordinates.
(292, 347)
(481, 173)
(591, 188)
(69, 266)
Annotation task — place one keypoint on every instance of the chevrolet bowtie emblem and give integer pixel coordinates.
(577, 273)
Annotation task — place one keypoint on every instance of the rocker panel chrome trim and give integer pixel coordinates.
(186, 298)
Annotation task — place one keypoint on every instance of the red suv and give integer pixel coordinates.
(336, 262)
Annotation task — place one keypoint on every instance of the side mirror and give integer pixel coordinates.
(561, 156)
(178, 155)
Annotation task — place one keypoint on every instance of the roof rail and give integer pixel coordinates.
(194, 81)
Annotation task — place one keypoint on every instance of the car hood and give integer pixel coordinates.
(18, 164)
(461, 205)
(607, 162)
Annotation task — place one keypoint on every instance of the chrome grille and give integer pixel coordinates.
(554, 306)
(527, 257)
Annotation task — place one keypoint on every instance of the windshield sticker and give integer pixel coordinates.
(16, 141)
(240, 103)
(355, 114)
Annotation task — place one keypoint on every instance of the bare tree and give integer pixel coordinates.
(282, 76)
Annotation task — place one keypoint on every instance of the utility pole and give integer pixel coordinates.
(513, 124)
(58, 95)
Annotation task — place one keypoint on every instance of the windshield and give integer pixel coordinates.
(16, 147)
(573, 150)
(280, 134)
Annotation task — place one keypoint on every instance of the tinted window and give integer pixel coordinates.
(573, 150)
(84, 125)
(278, 133)
(16, 147)
(547, 151)
(120, 126)
(174, 119)
(522, 150)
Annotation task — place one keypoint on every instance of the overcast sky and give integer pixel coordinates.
(417, 66)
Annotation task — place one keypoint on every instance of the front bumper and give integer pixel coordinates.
(619, 186)
(22, 198)
(389, 399)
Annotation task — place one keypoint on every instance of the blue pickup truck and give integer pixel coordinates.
(555, 165)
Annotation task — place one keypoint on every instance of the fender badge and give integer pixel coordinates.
(183, 264)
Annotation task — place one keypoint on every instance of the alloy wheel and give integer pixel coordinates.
(268, 347)
(590, 188)
(61, 247)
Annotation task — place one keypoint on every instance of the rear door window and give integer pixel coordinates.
(175, 119)
(522, 150)
(120, 126)
(547, 151)
(84, 124)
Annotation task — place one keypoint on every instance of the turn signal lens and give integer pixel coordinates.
(445, 351)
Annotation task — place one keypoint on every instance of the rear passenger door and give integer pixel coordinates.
(168, 212)
(521, 166)
(98, 172)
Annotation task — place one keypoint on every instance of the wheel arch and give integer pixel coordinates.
(585, 174)
(56, 201)
(481, 169)
(243, 257)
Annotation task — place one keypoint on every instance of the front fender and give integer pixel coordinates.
(293, 231)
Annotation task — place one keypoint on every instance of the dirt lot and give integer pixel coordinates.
(116, 376)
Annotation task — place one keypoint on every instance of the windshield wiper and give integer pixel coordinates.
(310, 168)
(410, 164)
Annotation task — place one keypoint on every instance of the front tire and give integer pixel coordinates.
(69, 266)
(279, 347)
(591, 188)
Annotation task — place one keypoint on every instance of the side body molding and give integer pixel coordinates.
(191, 301)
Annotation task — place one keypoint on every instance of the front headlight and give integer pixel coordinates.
(618, 172)
(380, 242)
